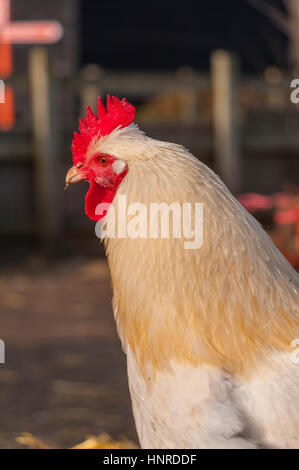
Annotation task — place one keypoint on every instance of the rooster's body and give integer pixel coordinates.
(207, 332)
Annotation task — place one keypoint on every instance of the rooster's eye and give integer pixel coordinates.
(103, 161)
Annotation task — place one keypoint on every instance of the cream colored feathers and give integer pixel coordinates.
(228, 303)
(208, 332)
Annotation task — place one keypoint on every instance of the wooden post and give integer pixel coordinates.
(225, 87)
(48, 174)
(91, 88)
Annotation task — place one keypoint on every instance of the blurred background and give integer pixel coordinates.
(214, 76)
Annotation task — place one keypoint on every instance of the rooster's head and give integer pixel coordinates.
(104, 172)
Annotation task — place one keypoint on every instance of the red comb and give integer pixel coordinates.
(118, 114)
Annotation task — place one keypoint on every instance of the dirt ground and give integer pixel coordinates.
(65, 374)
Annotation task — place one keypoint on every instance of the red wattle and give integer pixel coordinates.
(98, 194)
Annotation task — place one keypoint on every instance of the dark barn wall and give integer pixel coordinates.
(169, 34)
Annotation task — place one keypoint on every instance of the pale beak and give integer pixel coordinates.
(73, 176)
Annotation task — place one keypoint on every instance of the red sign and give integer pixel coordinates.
(31, 32)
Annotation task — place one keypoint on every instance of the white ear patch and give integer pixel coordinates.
(118, 166)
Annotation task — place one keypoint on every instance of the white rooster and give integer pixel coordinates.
(209, 333)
